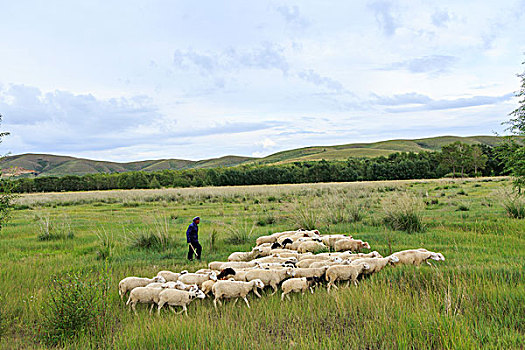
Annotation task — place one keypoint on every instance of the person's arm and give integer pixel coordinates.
(188, 234)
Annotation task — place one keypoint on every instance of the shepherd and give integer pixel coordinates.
(192, 237)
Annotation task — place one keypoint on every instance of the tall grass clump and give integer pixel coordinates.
(155, 235)
(402, 212)
(106, 244)
(514, 205)
(4, 317)
(77, 305)
(306, 216)
(50, 229)
(240, 232)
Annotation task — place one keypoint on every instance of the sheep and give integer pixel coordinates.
(270, 278)
(275, 259)
(226, 273)
(307, 262)
(175, 297)
(216, 265)
(234, 289)
(301, 284)
(171, 276)
(287, 242)
(265, 239)
(276, 245)
(275, 265)
(144, 295)
(328, 263)
(329, 240)
(354, 245)
(311, 272)
(240, 275)
(129, 283)
(203, 271)
(376, 264)
(245, 256)
(311, 246)
(196, 278)
(238, 264)
(345, 273)
(207, 286)
(417, 257)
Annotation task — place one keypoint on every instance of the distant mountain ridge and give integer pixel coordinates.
(48, 164)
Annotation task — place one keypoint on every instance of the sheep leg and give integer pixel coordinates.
(235, 301)
(274, 288)
(311, 290)
(151, 308)
(256, 292)
(355, 282)
(161, 304)
(215, 303)
(173, 309)
(430, 264)
(185, 309)
(348, 284)
(246, 301)
(282, 296)
(133, 307)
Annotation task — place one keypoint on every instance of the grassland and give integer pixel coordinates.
(475, 299)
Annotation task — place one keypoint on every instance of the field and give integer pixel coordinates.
(473, 299)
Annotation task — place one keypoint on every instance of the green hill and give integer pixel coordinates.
(47, 164)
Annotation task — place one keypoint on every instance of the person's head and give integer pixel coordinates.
(196, 220)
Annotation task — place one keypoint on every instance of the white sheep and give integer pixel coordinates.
(171, 276)
(235, 289)
(329, 240)
(216, 265)
(354, 245)
(197, 278)
(296, 285)
(311, 272)
(417, 257)
(376, 264)
(238, 264)
(143, 295)
(245, 256)
(175, 297)
(130, 283)
(270, 278)
(311, 246)
(265, 239)
(328, 263)
(345, 273)
(307, 262)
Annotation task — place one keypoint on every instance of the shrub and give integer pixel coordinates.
(76, 305)
(266, 217)
(403, 213)
(213, 240)
(151, 236)
(462, 207)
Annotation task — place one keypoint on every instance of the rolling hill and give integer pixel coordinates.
(47, 164)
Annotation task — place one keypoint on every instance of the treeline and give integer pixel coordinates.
(397, 166)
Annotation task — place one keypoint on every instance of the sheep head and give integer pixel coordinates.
(258, 283)
(393, 259)
(159, 279)
(365, 245)
(376, 254)
(199, 294)
(213, 276)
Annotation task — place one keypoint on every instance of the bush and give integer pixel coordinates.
(403, 213)
(462, 207)
(152, 236)
(76, 305)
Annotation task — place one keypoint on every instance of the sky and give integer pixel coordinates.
(134, 80)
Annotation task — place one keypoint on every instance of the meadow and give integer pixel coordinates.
(476, 298)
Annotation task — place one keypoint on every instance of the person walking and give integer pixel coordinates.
(192, 237)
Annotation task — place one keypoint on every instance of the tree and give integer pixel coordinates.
(512, 151)
(478, 159)
(6, 194)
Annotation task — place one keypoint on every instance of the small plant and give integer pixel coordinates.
(76, 305)
(266, 217)
(151, 236)
(106, 243)
(462, 192)
(403, 213)
(213, 240)
(240, 233)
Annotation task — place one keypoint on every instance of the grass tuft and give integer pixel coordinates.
(403, 213)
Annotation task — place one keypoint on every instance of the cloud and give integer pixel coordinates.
(318, 80)
(292, 15)
(432, 105)
(265, 56)
(384, 16)
(425, 64)
(267, 143)
(440, 18)
(401, 99)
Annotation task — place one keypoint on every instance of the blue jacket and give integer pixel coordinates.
(192, 234)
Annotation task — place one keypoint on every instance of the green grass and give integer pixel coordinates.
(474, 299)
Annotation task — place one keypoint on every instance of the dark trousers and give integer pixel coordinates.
(198, 250)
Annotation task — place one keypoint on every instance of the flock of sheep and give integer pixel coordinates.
(287, 259)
